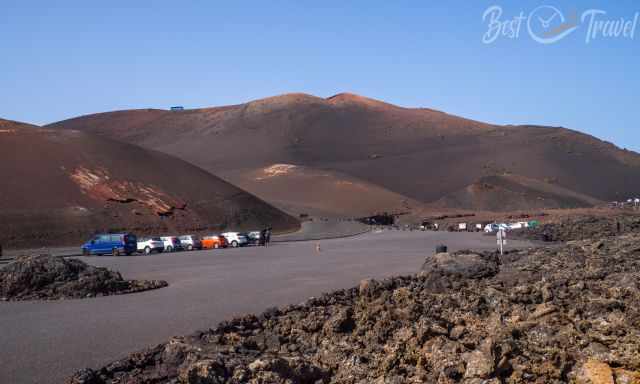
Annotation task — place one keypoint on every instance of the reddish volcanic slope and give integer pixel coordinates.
(60, 186)
(418, 153)
(302, 190)
(511, 193)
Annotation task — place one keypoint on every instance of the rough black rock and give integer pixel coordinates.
(582, 227)
(47, 277)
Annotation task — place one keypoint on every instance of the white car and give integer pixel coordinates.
(493, 227)
(519, 225)
(171, 243)
(490, 228)
(148, 245)
(236, 239)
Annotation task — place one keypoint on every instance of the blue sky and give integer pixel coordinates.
(68, 58)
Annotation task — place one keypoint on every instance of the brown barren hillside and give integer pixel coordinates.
(421, 154)
(511, 193)
(60, 186)
(301, 190)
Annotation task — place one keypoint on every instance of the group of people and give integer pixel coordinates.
(265, 237)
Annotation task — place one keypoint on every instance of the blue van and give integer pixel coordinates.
(111, 243)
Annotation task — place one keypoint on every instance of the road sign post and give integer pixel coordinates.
(501, 236)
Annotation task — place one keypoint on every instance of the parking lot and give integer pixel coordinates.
(43, 342)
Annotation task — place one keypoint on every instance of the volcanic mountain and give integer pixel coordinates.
(60, 186)
(511, 193)
(420, 154)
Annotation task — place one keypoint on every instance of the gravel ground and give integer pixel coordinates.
(44, 342)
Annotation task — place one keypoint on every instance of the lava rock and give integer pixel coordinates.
(461, 264)
(581, 228)
(47, 277)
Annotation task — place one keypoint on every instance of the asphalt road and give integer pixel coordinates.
(44, 342)
(323, 229)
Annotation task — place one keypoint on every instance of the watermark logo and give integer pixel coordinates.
(547, 24)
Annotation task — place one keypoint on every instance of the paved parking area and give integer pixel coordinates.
(44, 342)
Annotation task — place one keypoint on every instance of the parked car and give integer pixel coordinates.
(190, 242)
(428, 225)
(236, 239)
(111, 243)
(171, 243)
(519, 225)
(493, 227)
(214, 242)
(148, 245)
(490, 228)
(253, 237)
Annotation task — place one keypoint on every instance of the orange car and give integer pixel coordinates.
(211, 242)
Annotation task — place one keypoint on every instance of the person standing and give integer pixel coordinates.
(268, 236)
(263, 238)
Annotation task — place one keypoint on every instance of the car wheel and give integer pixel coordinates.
(116, 252)
(234, 244)
(216, 246)
(169, 249)
(189, 247)
(147, 250)
(85, 252)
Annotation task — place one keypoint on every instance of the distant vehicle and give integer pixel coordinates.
(171, 243)
(177, 108)
(214, 242)
(519, 225)
(236, 239)
(428, 225)
(190, 242)
(148, 245)
(490, 228)
(111, 243)
(493, 227)
(253, 237)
